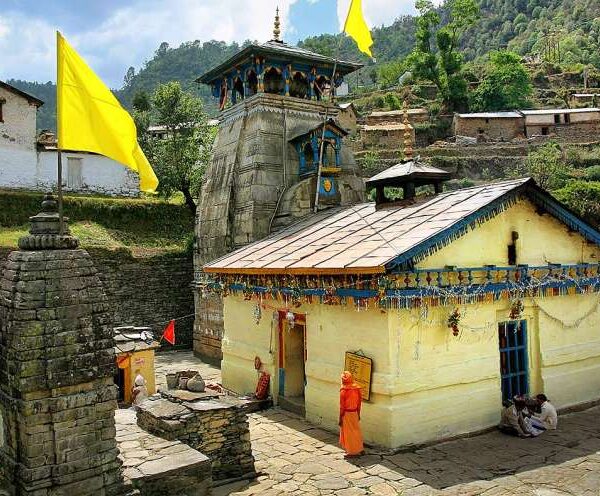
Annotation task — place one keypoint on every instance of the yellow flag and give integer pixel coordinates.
(357, 28)
(91, 119)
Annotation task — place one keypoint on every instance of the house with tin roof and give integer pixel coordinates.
(436, 300)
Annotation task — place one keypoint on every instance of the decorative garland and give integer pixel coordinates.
(436, 287)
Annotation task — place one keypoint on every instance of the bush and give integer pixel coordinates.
(135, 218)
(593, 173)
(583, 197)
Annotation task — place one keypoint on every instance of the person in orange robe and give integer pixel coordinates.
(350, 402)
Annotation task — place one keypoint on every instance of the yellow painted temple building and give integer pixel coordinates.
(460, 299)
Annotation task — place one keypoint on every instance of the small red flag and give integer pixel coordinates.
(169, 334)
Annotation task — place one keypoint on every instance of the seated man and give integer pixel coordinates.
(547, 419)
(516, 419)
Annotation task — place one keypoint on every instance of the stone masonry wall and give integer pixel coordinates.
(146, 291)
(216, 429)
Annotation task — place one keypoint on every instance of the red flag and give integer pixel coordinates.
(169, 334)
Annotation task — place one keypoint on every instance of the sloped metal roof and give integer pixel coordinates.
(361, 239)
(491, 115)
(559, 111)
(278, 49)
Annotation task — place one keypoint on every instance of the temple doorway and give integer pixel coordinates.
(292, 362)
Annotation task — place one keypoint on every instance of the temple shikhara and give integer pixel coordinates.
(277, 118)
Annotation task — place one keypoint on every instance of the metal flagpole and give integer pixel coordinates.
(332, 89)
(60, 195)
(58, 150)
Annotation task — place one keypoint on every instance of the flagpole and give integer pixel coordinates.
(322, 147)
(60, 195)
(58, 150)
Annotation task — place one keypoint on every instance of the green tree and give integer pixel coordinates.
(180, 158)
(547, 166)
(505, 86)
(583, 197)
(142, 101)
(436, 55)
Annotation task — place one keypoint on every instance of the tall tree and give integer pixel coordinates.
(436, 55)
(505, 86)
(181, 156)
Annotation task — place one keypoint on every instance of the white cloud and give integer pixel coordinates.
(131, 34)
(379, 12)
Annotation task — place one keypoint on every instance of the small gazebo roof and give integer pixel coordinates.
(410, 170)
(280, 50)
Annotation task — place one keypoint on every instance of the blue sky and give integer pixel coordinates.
(115, 34)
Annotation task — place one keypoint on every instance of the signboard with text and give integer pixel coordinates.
(361, 368)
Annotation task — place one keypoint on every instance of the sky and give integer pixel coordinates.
(113, 35)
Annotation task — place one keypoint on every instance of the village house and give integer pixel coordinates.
(348, 117)
(443, 306)
(497, 126)
(29, 163)
(573, 124)
(387, 130)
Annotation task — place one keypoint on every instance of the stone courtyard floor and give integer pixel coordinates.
(298, 458)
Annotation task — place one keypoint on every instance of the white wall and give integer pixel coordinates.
(99, 174)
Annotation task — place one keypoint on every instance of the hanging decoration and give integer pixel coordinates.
(419, 288)
(516, 309)
(453, 321)
(257, 313)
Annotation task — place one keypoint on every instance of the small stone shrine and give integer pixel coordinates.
(57, 361)
(216, 425)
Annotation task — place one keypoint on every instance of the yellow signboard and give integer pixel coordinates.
(360, 367)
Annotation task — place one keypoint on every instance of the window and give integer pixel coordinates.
(544, 131)
(2, 102)
(512, 254)
(567, 118)
(556, 118)
(74, 180)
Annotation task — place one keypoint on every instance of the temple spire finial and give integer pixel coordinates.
(276, 30)
(408, 149)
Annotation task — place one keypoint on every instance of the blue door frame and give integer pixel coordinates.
(514, 360)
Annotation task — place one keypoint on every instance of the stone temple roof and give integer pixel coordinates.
(408, 171)
(280, 50)
(363, 239)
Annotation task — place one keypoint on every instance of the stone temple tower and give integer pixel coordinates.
(57, 396)
(276, 114)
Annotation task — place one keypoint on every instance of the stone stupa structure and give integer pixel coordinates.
(57, 361)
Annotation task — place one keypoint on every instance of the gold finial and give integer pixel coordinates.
(276, 30)
(408, 150)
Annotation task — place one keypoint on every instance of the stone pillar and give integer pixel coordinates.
(57, 361)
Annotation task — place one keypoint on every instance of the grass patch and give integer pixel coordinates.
(146, 225)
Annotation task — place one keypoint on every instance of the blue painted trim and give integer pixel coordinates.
(558, 210)
(423, 292)
(538, 196)
(455, 231)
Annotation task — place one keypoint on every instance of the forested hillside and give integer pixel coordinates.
(568, 30)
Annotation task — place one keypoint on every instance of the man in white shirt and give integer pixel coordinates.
(547, 419)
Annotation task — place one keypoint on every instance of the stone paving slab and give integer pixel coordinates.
(297, 458)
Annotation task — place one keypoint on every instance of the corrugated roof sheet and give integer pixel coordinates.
(386, 127)
(360, 238)
(559, 111)
(491, 115)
